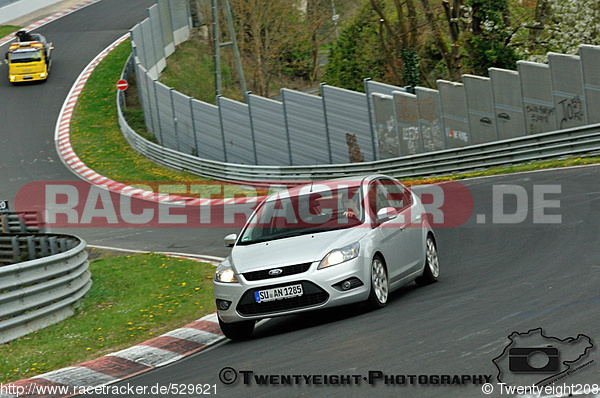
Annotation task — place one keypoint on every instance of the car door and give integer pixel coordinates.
(386, 234)
(400, 233)
(409, 221)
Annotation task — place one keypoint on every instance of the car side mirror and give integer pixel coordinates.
(230, 240)
(386, 214)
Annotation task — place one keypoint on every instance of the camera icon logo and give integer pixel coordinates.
(533, 360)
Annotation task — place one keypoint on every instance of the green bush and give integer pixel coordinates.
(357, 54)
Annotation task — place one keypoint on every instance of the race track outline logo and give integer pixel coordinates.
(532, 358)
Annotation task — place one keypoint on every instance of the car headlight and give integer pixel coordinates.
(225, 274)
(339, 256)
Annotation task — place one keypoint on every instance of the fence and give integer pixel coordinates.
(342, 126)
(580, 140)
(41, 277)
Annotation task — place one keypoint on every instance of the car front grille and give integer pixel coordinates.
(313, 296)
(285, 271)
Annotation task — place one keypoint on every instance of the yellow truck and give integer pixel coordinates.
(29, 59)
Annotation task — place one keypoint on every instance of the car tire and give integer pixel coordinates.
(431, 271)
(380, 286)
(237, 330)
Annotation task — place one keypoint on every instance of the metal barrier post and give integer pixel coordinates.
(15, 248)
(53, 245)
(31, 247)
(44, 246)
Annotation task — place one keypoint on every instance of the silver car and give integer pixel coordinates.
(322, 245)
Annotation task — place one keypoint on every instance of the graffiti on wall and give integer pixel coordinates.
(457, 135)
(412, 141)
(433, 137)
(539, 118)
(388, 139)
(570, 112)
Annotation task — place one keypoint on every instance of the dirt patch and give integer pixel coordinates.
(94, 254)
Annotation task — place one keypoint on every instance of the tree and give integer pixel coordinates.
(400, 23)
(450, 54)
(358, 53)
(487, 41)
(317, 14)
(273, 38)
(561, 26)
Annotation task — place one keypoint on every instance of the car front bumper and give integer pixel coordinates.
(322, 288)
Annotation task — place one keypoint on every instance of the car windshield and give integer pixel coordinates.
(26, 56)
(285, 216)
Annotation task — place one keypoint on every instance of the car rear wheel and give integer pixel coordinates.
(379, 284)
(237, 330)
(431, 271)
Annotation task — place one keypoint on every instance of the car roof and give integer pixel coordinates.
(326, 185)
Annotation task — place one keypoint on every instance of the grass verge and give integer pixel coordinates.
(95, 133)
(5, 30)
(97, 139)
(190, 70)
(533, 166)
(133, 298)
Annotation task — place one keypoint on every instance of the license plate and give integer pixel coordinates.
(28, 77)
(278, 293)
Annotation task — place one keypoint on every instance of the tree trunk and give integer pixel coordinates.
(413, 23)
(543, 13)
(402, 34)
(315, 19)
(450, 60)
(257, 44)
(388, 27)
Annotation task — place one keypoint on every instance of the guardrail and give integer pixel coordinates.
(568, 142)
(41, 289)
(22, 222)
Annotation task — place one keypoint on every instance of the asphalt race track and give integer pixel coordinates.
(28, 115)
(496, 278)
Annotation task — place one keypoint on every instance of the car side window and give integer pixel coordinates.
(395, 195)
(408, 198)
(377, 198)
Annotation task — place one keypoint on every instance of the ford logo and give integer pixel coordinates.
(275, 272)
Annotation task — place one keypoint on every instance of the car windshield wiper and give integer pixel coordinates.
(298, 232)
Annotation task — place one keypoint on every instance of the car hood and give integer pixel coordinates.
(294, 250)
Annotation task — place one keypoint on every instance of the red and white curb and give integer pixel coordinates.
(204, 258)
(51, 18)
(76, 165)
(123, 364)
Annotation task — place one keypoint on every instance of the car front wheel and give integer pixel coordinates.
(379, 284)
